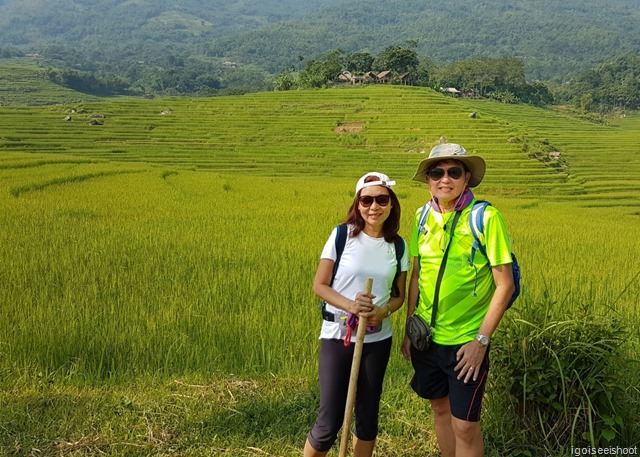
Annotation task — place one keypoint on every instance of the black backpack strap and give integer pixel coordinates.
(340, 242)
(399, 245)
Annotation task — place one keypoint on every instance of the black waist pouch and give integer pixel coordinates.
(419, 333)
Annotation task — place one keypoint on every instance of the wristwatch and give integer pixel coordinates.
(482, 339)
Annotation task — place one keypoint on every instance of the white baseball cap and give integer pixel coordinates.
(383, 180)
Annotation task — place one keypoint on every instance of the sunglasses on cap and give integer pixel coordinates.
(438, 173)
(367, 200)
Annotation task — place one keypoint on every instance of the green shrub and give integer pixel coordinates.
(563, 377)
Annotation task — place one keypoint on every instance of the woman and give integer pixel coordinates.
(462, 297)
(369, 251)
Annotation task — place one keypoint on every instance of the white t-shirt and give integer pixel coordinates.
(363, 257)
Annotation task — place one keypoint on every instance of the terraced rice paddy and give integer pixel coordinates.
(333, 133)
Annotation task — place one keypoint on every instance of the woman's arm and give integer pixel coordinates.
(322, 288)
(380, 313)
(411, 306)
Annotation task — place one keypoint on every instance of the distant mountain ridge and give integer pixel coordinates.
(556, 38)
(59, 21)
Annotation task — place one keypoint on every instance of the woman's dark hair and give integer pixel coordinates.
(390, 227)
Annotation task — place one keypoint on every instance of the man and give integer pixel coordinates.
(462, 300)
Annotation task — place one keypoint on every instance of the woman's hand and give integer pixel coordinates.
(362, 304)
(470, 357)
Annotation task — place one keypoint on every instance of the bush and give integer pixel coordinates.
(503, 96)
(563, 378)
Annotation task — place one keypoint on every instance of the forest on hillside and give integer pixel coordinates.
(214, 47)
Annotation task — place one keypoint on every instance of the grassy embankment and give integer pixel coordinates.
(24, 82)
(155, 270)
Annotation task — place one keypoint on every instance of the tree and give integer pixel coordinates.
(424, 72)
(485, 75)
(101, 84)
(334, 59)
(358, 62)
(537, 94)
(614, 84)
(586, 102)
(284, 81)
(317, 73)
(397, 59)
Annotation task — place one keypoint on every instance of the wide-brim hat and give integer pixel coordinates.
(451, 151)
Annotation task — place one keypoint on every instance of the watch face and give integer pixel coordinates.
(483, 340)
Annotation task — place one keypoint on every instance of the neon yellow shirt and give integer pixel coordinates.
(460, 310)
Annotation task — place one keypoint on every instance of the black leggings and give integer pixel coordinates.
(335, 371)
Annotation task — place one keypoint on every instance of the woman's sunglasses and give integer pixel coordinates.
(438, 173)
(367, 200)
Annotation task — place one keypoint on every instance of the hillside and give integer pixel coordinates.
(333, 132)
(24, 22)
(555, 38)
(22, 82)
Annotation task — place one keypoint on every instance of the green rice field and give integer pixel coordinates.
(157, 256)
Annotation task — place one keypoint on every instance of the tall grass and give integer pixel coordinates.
(127, 273)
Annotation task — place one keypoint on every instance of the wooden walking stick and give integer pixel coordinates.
(353, 379)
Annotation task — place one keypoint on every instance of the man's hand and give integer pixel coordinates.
(470, 357)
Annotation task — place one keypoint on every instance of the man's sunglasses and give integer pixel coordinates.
(367, 200)
(438, 173)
